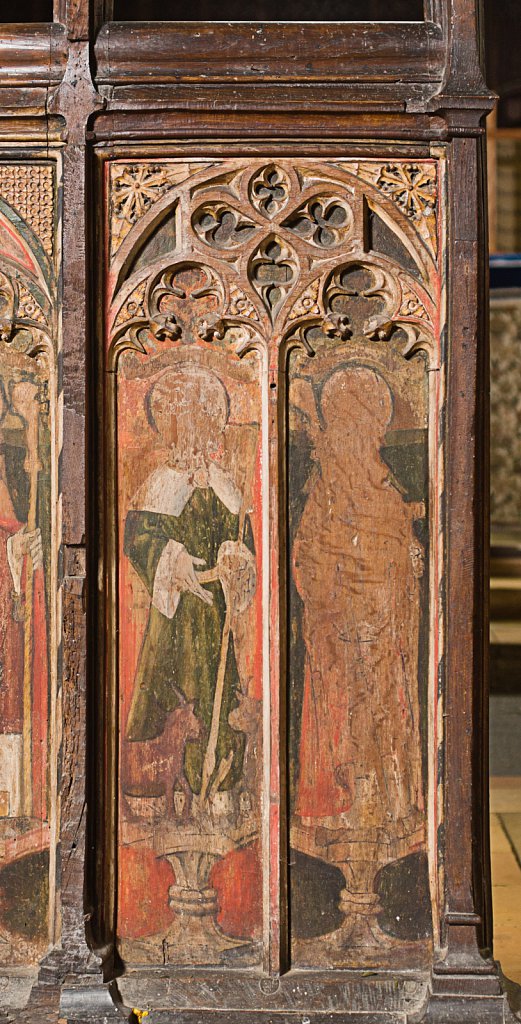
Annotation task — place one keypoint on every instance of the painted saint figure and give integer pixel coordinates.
(22, 608)
(24, 670)
(359, 790)
(190, 541)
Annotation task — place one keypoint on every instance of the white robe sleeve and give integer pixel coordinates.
(15, 557)
(164, 595)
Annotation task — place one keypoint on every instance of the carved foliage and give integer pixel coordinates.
(136, 187)
(413, 188)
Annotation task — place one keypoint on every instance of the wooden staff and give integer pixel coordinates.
(32, 467)
(211, 750)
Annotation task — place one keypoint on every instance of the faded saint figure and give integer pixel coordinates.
(23, 641)
(356, 565)
(188, 537)
(24, 671)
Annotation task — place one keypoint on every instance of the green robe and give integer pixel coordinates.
(183, 653)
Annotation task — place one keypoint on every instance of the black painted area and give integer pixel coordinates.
(406, 454)
(270, 10)
(403, 888)
(314, 896)
(26, 11)
(24, 895)
(381, 239)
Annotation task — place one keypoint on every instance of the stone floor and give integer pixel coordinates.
(505, 834)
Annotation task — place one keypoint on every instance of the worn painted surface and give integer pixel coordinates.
(28, 581)
(190, 655)
(271, 332)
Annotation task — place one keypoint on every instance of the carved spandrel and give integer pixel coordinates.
(413, 187)
(266, 257)
(136, 187)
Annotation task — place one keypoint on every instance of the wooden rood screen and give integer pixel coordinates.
(275, 388)
(242, 698)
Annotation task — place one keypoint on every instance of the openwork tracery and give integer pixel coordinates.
(291, 276)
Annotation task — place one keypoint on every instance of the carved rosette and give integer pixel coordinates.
(413, 188)
(136, 187)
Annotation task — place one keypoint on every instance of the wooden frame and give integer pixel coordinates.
(98, 92)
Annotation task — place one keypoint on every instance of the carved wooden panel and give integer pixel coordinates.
(275, 628)
(29, 532)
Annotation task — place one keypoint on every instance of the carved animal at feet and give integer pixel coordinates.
(154, 768)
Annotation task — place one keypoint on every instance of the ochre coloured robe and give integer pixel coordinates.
(353, 564)
(12, 656)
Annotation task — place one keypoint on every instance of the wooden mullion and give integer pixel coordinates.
(275, 812)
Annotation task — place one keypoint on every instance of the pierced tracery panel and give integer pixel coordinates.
(270, 335)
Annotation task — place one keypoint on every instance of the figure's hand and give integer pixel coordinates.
(185, 576)
(24, 399)
(237, 573)
(34, 547)
(417, 561)
(25, 542)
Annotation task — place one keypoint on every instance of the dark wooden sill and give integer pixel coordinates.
(137, 53)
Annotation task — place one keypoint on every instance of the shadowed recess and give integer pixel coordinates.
(270, 10)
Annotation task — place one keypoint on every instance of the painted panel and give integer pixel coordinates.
(358, 498)
(28, 559)
(274, 330)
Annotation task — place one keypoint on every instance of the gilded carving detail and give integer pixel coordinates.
(29, 308)
(412, 306)
(133, 307)
(29, 189)
(241, 305)
(308, 303)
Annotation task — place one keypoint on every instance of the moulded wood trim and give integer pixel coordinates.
(34, 54)
(153, 53)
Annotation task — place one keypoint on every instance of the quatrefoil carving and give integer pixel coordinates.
(325, 221)
(269, 191)
(221, 226)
